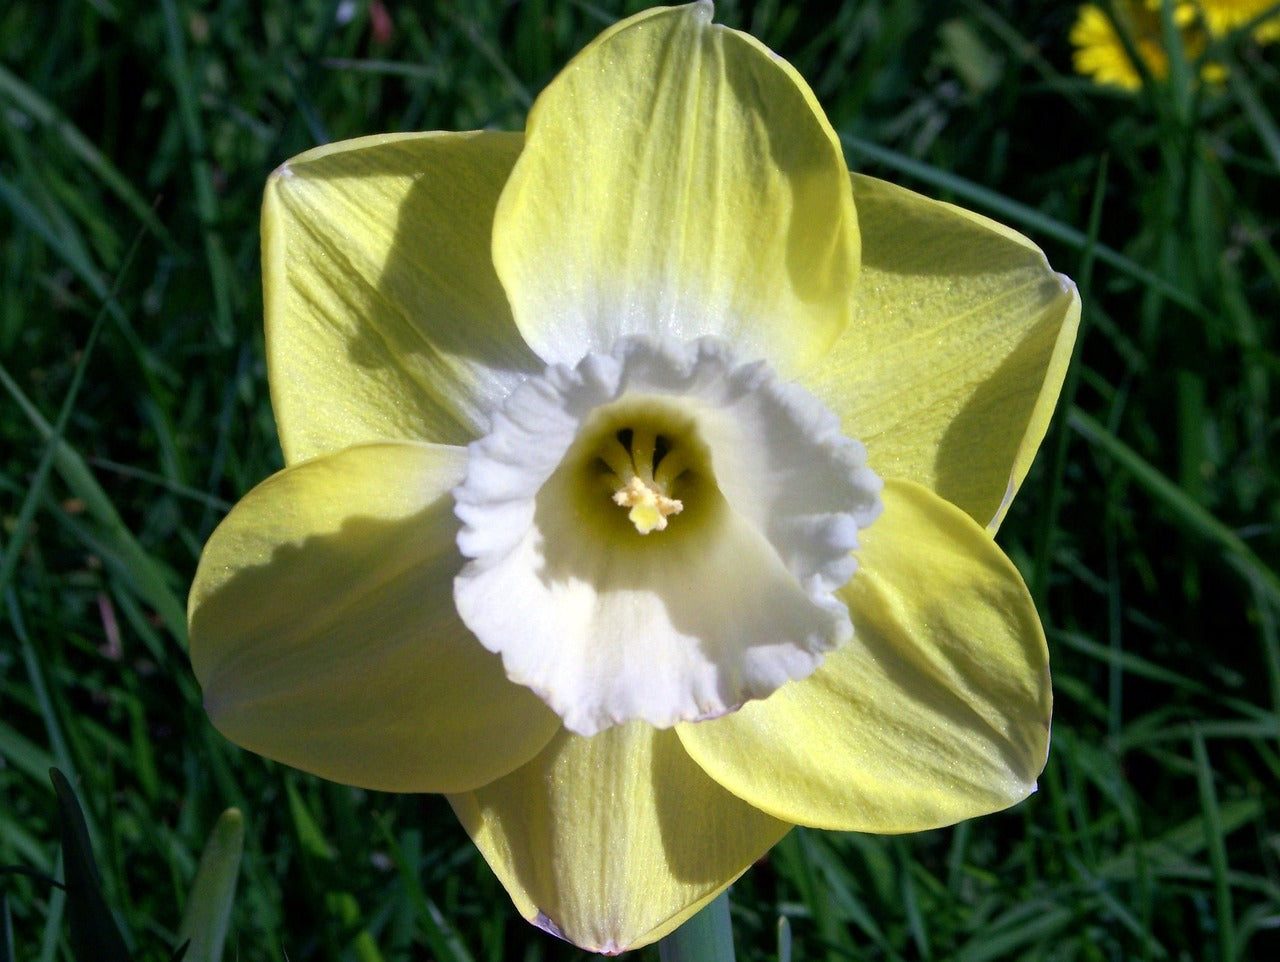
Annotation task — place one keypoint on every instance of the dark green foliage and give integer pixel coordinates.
(91, 929)
(1148, 529)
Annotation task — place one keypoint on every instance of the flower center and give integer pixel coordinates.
(724, 605)
(636, 463)
(641, 468)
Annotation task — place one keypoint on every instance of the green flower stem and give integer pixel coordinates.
(707, 937)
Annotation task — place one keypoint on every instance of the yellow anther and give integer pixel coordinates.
(650, 508)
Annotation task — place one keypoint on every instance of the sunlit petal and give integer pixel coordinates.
(938, 710)
(614, 840)
(951, 367)
(678, 179)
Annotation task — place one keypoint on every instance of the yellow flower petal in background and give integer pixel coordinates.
(614, 840)
(937, 711)
(678, 179)
(1101, 55)
(385, 319)
(1223, 16)
(324, 636)
(953, 361)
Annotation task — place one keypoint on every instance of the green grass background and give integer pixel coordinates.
(135, 138)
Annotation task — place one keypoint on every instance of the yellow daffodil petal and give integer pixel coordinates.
(324, 636)
(384, 317)
(959, 344)
(937, 710)
(678, 179)
(614, 840)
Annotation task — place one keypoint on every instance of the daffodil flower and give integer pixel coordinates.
(583, 520)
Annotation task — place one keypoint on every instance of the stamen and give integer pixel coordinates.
(661, 448)
(649, 506)
(638, 469)
(617, 458)
(671, 466)
(643, 442)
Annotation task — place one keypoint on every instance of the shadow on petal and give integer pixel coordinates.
(961, 703)
(978, 459)
(382, 300)
(339, 652)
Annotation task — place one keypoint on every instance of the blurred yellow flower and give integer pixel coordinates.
(572, 501)
(1223, 16)
(1101, 54)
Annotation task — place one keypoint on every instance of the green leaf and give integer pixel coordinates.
(1191, 516)
(6, 930)
(203, 929)
(706, 937)
(94, 935)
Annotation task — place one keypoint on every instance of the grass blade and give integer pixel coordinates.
(203, 929)
(137, 566)
(94, 934)
(44, 113)
(1216, 839)
(1192, 516)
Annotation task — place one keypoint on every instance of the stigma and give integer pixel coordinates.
(639, 470)
(650, 507)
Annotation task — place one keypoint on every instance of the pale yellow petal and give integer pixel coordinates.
(678, 179)
(937, 711)
(612, 841)
(384, 317)
(324, 636)
(952, 365)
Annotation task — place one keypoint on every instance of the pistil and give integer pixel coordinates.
(649, 506)
(643, 468)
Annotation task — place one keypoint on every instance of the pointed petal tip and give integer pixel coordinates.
(543, 921)
(547, 924)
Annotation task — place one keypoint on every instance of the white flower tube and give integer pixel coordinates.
(658, 533)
